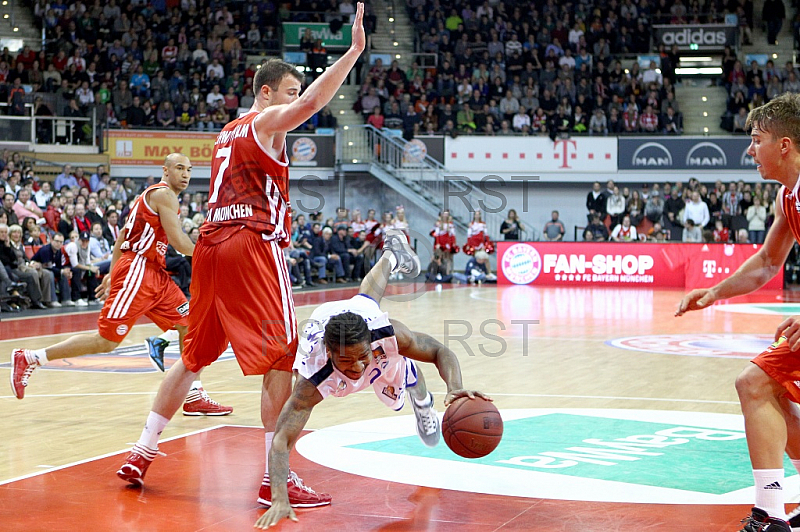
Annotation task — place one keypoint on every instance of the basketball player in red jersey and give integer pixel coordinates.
(769, 388)
(137, 286)
(241, 291)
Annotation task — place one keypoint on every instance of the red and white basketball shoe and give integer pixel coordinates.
(198, 403)
(300, 495)
(136, 464)
(21, 371)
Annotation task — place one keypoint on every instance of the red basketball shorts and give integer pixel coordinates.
(242, 294)
(139, 288)
(783, 365)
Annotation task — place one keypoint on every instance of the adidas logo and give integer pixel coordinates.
(774, 486)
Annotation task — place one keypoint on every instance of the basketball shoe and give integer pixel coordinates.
(23, 364)
(429, 428)
(198, 403)
(136, 464)
(407, 259)
(794, 519)
(300, 495)
(155, 348)
(759, 521)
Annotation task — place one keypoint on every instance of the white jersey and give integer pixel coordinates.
(389, 373)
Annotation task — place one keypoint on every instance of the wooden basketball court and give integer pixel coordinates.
(601, 364)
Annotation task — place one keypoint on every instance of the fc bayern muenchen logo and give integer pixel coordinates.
(521, 264)
(415, 151)
(122, 330)
(304, 149)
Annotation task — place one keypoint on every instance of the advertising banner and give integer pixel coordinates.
(148, 148)
(685, 153)
(293, 32)
(529, 155)
(654, 265)
(706, 37)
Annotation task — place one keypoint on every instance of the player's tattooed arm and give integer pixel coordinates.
(293, 419)
(424, 348)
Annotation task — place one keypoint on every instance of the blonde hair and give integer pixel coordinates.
(780, 117)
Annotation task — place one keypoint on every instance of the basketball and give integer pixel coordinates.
(472, 428)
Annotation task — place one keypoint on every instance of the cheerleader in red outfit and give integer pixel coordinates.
(444, 239)
(477, 239)
(357, 223)
(400, 222)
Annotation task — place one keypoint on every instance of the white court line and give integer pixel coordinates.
(370, 392)
(100, 457)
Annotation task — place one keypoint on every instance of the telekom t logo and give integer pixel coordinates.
(566, 151)
(709, 268)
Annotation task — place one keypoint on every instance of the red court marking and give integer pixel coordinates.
(210, 480)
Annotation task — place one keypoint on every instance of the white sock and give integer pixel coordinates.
(425, 402)
(196, 385)
(36, 356)
(153, 428)
(170, 335)
(796, 464)
(769, 491)
(268, 445)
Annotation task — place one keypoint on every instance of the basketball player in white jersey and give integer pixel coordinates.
(347, 346)
(769, 388)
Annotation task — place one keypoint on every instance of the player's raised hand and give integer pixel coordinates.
(359, 39)
(790, 328)
(277, 513)
(695, 300)
(457, 394)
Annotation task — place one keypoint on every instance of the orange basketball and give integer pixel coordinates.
(472, 428)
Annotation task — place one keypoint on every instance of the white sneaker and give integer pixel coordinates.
(54, 304)
(429, 427)
(407, 259)
(94, 302)
(81, 303)
(68, 303)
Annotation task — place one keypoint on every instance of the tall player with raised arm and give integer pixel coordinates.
(241, 291)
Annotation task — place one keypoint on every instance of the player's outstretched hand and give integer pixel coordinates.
(695, 300)
(103, 289)
(457, 394)
(359, 38)
(277, 513)
(790, 328)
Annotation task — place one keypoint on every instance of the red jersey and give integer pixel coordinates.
(145, 236)
(790, 204)
(249, 187)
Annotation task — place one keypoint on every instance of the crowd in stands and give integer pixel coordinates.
(738, 212)
(168, 64)
(57, 236)
(751, 86)
(513, 68)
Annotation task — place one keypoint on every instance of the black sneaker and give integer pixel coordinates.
(759, 521)
(155, 348)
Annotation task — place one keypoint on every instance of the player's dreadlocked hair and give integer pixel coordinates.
(345, 329)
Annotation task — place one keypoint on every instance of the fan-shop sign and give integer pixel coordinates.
(699, 153)
(706, 37)
(622, 264)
